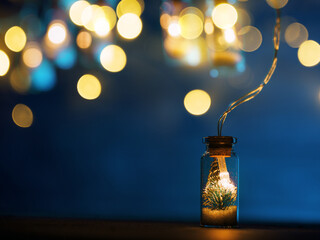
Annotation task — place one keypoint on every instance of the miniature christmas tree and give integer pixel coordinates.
(219, 192)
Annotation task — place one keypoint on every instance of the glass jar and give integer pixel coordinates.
(219, 183)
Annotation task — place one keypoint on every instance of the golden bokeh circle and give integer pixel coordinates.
(15, 39)
(89, 87)
(309, 53)
(22, 116)
(197, 102)
(113, 58)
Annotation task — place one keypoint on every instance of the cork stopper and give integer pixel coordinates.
(219, 146)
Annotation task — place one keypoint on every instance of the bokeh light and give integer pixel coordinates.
(191, 26)
(89, 87)
(110, 16)
(22, 116)
(197, 102)
(113, 58)
(165, 20)
(224, 16)
(57, 32)
(277, 3)
(174, 29)
(141, 2)
(66, 58)
(309, 53)
(84, 39)
(15, 39)
(43, 78)
(102, 27)
(244, 18)
(90, 15)
(195, 52)
(208, 26)
(129, 26)
(250, 37)
(4, 63)
(128, 6)
(20, 80)
(175, 48)
(193, 56)
(76, 11)
(32, 55)
(229, 35)
(296, 34)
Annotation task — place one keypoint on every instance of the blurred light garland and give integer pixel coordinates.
(215, 34)
(47, 39)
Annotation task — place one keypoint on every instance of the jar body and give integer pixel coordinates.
(219, 190)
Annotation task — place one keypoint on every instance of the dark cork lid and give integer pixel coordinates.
(219, 146)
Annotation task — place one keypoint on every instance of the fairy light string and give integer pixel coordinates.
(247, 97)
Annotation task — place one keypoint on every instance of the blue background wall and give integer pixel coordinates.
(134, 153)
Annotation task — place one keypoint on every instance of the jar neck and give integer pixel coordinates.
(219, 150)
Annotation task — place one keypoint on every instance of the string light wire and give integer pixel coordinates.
(247, 97)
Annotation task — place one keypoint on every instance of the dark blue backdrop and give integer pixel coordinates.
(134, 152)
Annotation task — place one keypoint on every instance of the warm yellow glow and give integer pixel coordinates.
(90, 15)
(296, 34)
(22, 115)
(32, 55)
(277, 3)
(128, 6)
(110, 15)
(195, 52)
(57, 32)
(224, 16)
(113, 58)
(20, 80)
(225, 180)
(229, 35)
(89, 87)
(84, 39)
(208, 26)
(175, 47)
(4, 63)
(244, 18)
(141, 2)
(193, 56)
(197, 102)
(87, 15)
(191, 26)
(174, 29)
(165, 20)
(76, 11)
(309, 53)
(15, 39)
(129, 26)
(250, 38)
(101, 27)
(226, 183)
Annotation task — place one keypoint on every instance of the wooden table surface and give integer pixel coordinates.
(35, 228)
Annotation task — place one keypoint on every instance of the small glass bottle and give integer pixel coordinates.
(219, 183)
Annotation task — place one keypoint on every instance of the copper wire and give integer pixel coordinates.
(247, 97)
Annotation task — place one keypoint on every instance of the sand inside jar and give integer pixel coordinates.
(227, 217)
